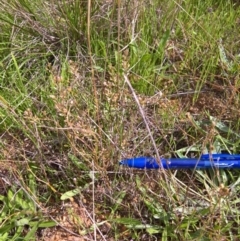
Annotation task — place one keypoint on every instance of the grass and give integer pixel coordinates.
(84, 84)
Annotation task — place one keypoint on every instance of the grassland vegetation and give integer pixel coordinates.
(84, 84)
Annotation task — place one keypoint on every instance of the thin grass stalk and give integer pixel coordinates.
(94, 88)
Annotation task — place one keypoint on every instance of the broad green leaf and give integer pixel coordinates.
(119, 199)
(47, 224)
(3, 213)
(10, 194)
(127, 221)
(70, 194)
(221, 126)
(31, 234)
(4, 237)
(10, 197)
(99, 68)
(32, 183)
(165, 234)
(19, 200)
(139, 226)
(155, 208)
(2, 198)
(32, 187)
(22, 222)
(77, 162)
(154, 230)
(43, 224)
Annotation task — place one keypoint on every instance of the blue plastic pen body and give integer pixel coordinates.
(206, 161)
(202, 163)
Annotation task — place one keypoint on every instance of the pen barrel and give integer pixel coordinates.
(214, 161)
(196, 163)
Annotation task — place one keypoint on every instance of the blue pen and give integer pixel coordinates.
(205, 161)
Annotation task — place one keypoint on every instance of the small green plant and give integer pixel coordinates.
(20, 215)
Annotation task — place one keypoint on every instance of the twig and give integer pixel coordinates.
(145, 121)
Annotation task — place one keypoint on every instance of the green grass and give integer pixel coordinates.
(67, 116)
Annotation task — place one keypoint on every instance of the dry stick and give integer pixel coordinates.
(93, 221)
(146, 122)
(95, 97)
(93, 204)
